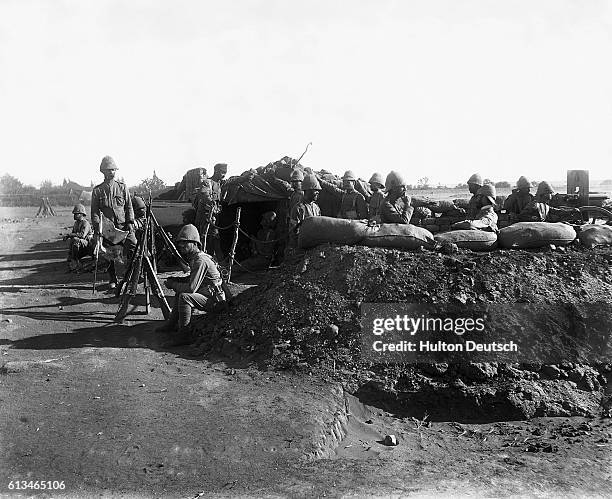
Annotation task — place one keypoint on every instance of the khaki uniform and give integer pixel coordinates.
(301, 212)
(353, 205)
(517, 201)
(398, 212)
(80, 244)
(375, 206)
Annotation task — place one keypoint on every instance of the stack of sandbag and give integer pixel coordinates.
(595, 235)
(535, 235)
(475, 240)
(403, 236)
(320, 230)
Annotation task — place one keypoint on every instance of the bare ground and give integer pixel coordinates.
(105, 409)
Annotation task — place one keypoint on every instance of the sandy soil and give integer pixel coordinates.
(104, 409)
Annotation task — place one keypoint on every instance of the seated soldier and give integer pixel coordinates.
(263, 248)
(539, 210)
(80, 238)
(519, 199)
(203, 285)
(482, 206)
(474, 183)
(140, 214)
(396, 209)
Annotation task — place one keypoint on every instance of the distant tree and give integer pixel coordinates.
(153, 184)
(607, 182)
(423, 183)
(504, 184)
(46, 186)
(461, 186)
(488, 181)
(10, 184)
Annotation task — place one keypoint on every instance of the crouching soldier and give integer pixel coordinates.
(482, 210)
(80, 238)
(539, 210)
(203, 284)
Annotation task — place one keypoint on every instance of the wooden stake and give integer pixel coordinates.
(234, 242)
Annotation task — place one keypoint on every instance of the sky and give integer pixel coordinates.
(431, 88)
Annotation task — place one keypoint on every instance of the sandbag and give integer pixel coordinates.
(475, 240)
(595, 235)
(535, 235)
(320, 230)
(404, 236)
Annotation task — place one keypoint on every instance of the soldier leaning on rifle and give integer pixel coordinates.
(217, 181)
(353, 204)
(203, 284)
(112, 199)
(396, 208)
(539, 210)
(80, 238)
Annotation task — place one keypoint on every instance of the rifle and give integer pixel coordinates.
(96, 255)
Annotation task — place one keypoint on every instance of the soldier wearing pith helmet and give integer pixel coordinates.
(111, 198)
(396, 208)
(474, 183)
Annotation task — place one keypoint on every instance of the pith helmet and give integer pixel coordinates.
(138, 203)
(189, 233)
(394, 179)
(475, 179)
(545, 188)
(488, 191)
(311, 183)
(297, 175)
(377, 178)
(523, 183)
(349, 175)
(221, 167)
(108, 163)
(79, 208)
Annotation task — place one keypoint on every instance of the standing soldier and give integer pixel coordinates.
(308, 207)
(297, 177)
(216, 185)
(396, 208)
(352, 204)
(112, 199)
(376, 200)
(80, 238)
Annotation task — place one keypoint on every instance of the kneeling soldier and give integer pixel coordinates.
(80, 238)
(203, 284)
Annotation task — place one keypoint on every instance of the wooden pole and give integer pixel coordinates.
(234, 242)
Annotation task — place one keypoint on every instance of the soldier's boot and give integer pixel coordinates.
(171, 324)
(183, 337)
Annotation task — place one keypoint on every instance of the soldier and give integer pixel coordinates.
(378, 197)
(112, 199)
(396, 208)
(189, 216)
(353, 205)
(539, 209)
(519, 199)
(140, 214)
(263, 247)
(203, 284)
(474, 183)
(484, 217)
(308, 207)
(217, 181)
(80, 238)
(296, 179)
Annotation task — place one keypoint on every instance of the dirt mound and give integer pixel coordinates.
(306, 315)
